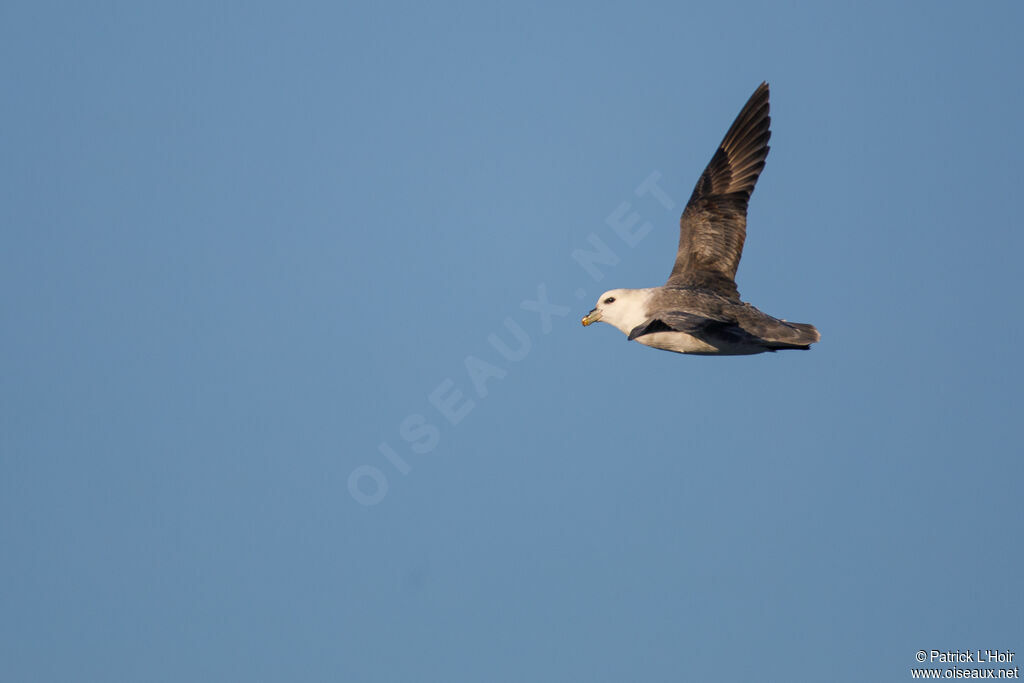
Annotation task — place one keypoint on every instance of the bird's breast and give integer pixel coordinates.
(680, 342)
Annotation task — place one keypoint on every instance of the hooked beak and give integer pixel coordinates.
(591, 318)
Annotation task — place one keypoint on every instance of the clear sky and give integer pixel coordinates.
(293, 384)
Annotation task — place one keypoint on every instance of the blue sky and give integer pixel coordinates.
(249, 250)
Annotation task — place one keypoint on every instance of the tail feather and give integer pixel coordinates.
(793, 336)
(808, 333)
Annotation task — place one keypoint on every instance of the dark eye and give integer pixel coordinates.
(609, 300)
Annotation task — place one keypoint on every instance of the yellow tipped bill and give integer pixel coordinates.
(591, 318)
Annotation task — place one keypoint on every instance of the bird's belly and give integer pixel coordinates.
(680, 342)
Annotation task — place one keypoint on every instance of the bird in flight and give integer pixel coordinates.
(699, 310)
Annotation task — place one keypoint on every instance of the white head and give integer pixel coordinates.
(623, 308)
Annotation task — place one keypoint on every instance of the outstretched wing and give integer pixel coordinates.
(675, 321)
(714, 224)
(711, 330)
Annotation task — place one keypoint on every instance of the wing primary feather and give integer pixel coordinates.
(712, 229)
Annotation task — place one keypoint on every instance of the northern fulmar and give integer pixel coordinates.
(699, 310)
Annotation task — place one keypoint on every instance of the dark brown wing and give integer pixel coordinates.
(714, 224)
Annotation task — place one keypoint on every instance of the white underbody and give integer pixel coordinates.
(680, 342)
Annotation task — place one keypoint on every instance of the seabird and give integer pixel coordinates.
(699, 310)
